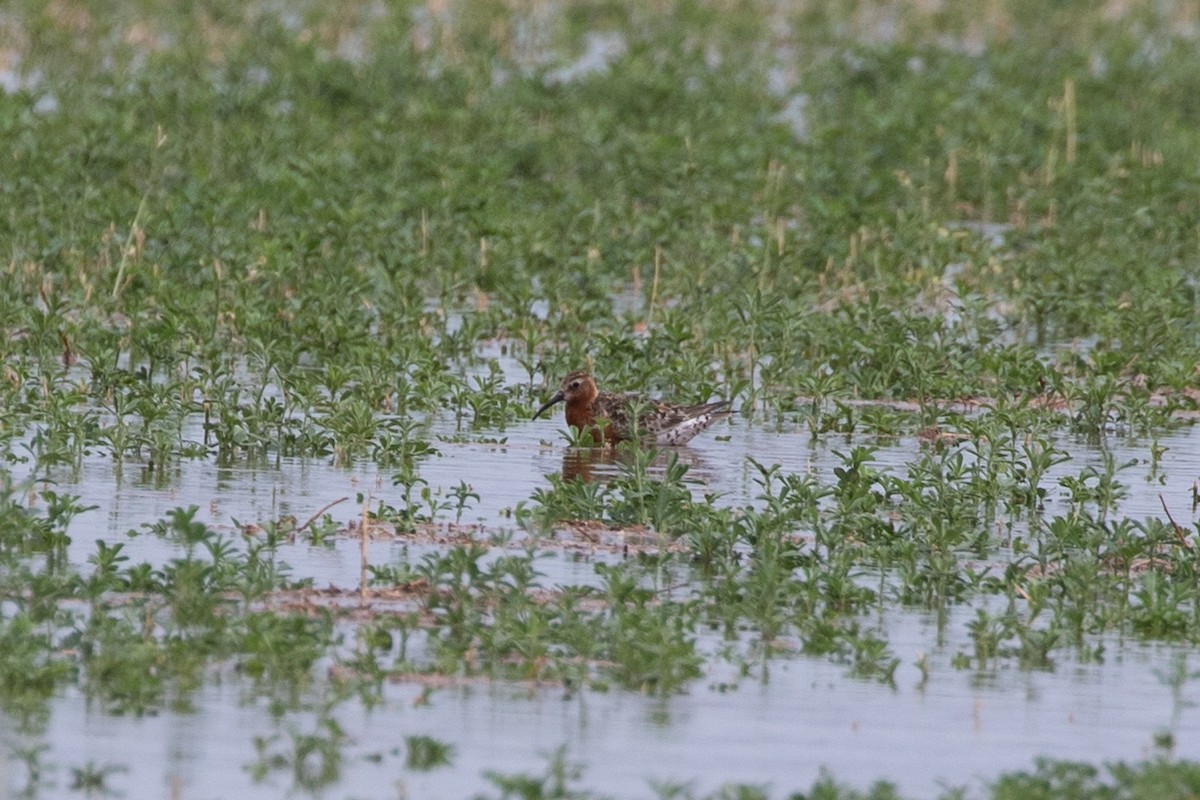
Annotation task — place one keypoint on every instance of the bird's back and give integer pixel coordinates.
(664, 423)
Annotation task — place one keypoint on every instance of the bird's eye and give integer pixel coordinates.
(574, 384)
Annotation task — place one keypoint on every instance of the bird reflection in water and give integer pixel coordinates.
(605, 463)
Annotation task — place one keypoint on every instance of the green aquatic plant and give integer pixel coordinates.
(1097, 486)
(92, 780)
(426, 753)
(559, 781)
(311, 759)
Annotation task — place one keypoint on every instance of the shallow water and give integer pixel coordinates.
(781, 727)
(805, 716)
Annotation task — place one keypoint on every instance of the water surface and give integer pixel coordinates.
(781, 727)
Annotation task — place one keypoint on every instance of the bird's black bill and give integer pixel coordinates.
(557, 398)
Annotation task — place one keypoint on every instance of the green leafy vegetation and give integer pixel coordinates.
(272, 234)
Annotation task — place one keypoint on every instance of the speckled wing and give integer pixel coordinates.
(674, 425)
(662, 423)
(614, 408)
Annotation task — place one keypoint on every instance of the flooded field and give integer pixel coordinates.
(284, 284)
(779, 733)
(934, 726)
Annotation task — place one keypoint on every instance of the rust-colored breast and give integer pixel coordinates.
(579, 415)
(582, 417)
